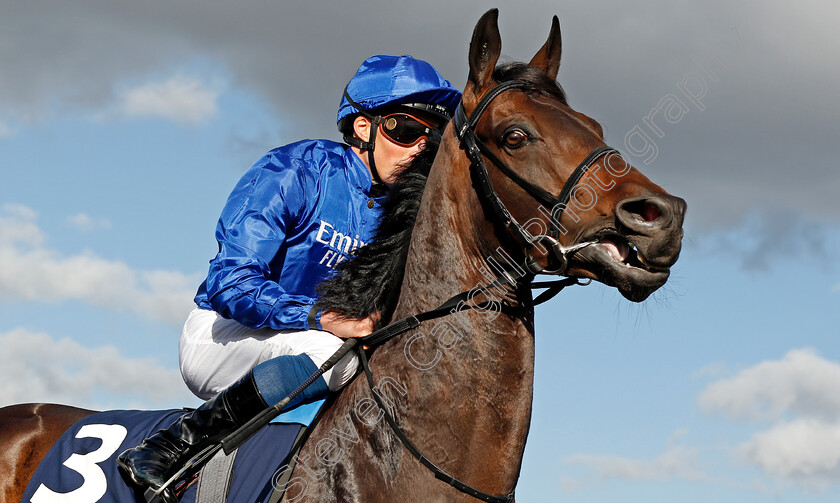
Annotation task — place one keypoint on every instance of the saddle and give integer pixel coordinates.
(81, 466)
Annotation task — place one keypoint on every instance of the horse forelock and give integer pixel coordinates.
(540, 81)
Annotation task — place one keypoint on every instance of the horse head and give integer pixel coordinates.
(538, 182)
(572, 204)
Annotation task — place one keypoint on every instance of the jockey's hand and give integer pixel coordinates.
(346, 327)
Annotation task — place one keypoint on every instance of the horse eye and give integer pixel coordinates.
(515, 138)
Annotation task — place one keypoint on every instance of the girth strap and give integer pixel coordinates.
(215, 478)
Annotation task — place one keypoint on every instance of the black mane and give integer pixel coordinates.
(370, 282)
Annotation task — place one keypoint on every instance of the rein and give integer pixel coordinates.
(453, 305)
(465, 130)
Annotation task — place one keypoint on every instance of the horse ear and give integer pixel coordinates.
(548, 57)
(485, 47)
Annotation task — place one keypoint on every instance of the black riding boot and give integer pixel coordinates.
(157, 458)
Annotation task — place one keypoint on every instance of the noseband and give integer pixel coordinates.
(476, 150)
(463, 301)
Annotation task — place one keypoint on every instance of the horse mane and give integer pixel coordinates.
(370, 282)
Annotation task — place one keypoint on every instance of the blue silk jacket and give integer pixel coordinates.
(294, 215)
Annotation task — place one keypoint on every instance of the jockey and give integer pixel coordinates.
(300, 210)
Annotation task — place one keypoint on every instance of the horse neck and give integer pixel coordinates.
(451, 242)
(469, 376)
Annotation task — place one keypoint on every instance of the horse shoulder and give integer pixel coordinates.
(27, 432)
(341, 461)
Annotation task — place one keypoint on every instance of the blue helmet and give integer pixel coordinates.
(398, 80)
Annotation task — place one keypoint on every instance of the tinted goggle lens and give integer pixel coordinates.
(406, 130)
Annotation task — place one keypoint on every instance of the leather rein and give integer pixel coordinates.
(465, 130)
(476, 150)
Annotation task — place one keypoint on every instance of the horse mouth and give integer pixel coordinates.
(614, 260)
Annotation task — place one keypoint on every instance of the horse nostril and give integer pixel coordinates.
(642, 210)
(650, 212)
(644, 214)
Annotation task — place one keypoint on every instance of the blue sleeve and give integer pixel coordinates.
(262, 208)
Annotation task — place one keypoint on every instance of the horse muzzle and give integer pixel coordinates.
(635, 254)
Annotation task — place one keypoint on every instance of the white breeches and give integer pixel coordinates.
(215, 352)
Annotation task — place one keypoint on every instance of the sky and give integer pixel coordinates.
(124, 125)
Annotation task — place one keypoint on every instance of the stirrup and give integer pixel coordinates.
(168, 492)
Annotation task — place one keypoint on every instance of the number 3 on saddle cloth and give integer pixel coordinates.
(81, 467)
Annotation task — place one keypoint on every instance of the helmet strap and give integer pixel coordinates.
(365, 145)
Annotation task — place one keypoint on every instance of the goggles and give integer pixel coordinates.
(406, 130)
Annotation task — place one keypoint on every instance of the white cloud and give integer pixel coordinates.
(805, 450)
(31, 271)
(86, 223)
(180, 99)
(17, 225)
(676, 462)
(800, 396)
(796, 399)
(35, 367)
(801, 383)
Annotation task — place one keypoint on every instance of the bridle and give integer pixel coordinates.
(465, 130)
(476, 151)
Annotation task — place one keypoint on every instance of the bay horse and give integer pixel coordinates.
(460, 389)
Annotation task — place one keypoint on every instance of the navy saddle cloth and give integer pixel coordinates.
(81, 467)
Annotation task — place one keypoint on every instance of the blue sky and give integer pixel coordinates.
(124, 126)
